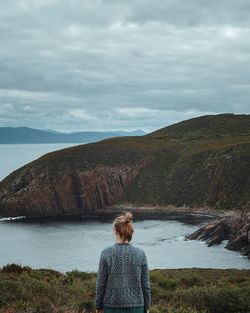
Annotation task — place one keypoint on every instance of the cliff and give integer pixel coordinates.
(69, 182)
(201, 162)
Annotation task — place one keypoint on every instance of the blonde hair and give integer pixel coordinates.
(123, 225)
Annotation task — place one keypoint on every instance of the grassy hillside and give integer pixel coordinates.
(202, 161)
(26, 290)
(207, 125)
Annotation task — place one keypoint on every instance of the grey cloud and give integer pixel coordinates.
(164, 60)
(189, 13)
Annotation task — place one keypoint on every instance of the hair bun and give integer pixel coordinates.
(128, 217)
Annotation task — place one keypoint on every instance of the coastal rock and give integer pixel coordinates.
(235, 229)
(212, 233)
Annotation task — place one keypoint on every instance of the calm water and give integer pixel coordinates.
(77, 244)
(13, 156)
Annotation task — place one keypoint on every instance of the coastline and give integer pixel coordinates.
(164, 211)
(140, 212)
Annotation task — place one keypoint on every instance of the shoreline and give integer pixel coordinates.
(165, 211)
(170, 209)
(140, 212)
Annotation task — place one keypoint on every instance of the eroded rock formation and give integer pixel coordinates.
(71, 193)
(235, 229)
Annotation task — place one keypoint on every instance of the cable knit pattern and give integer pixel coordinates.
(123, 278)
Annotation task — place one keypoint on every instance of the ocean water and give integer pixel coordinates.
(67, 245)
(13, 156)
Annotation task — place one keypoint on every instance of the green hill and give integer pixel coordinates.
(202, 161)
(207, 125)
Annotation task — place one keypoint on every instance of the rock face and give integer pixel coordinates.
(72, 193)
(235, 229)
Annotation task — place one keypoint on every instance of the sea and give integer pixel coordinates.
(66, 245)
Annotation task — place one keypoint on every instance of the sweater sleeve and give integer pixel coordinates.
(145, 282)
(101, 281)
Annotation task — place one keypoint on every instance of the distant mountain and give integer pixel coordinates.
(53, 131)
(11, 135)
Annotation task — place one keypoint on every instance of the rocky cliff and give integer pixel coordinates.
(235, 229)
(199, 162)
(40, 189)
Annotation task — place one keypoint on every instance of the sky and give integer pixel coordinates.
(75, 65)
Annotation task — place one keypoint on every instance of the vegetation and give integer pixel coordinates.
(202, 161)
(194, 290)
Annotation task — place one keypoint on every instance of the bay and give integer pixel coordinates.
(67, 245)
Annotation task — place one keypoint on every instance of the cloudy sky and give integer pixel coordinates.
(73, 65)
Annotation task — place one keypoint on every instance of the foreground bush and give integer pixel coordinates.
(27, 290)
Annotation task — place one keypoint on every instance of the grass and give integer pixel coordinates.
(194, 290)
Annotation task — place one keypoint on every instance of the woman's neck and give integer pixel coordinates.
(120, 241)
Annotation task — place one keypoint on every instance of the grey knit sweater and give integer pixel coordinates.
(123, 277)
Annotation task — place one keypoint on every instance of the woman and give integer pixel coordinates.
(123, 284)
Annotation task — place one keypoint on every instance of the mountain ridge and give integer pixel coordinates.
(23, 134)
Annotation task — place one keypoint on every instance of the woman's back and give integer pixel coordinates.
(123, 276)
(123, 279)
